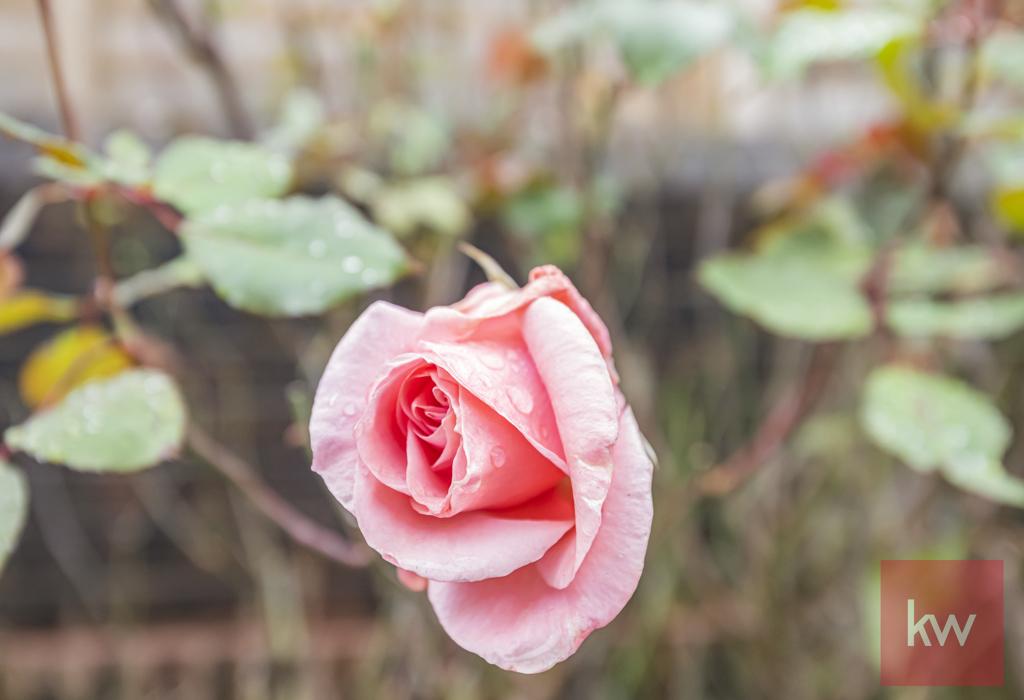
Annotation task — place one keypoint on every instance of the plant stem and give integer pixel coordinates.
(776, 427)
(298, 526)
(200, 46)
(67, 114)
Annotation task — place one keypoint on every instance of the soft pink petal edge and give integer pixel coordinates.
(380, 333)
(489, 301)
(583, 399)
(519, 622)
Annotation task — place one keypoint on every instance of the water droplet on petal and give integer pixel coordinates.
(350, 409)
(497, 457)
(520, 399)
(492, 360)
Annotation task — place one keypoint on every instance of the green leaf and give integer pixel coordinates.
(986, 478)
(55, 146)
(198, 174)
(1002, 56)
(925, 269)
(302, 116)
(993, 317)
(291, 257)
(433, 203)
(127, 159)
(935, 423)
(126, 423)
(13, 509)
(654, 39)
(810, 293)
(658, 39)
(1006, 163)
(929, 420)
(417, 141)
(810, 36)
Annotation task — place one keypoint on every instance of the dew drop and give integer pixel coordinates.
(497, 457)
(350, 409)
(352, 264)
(317, 248)
(492, 360)
(520, 399)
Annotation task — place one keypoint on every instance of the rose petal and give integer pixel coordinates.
(379, 440)
(513, 388)
(469, 546)
(503, 468)
(414, 583)
(380, 333)
(490, 302)
(583, 399)
(520, 623)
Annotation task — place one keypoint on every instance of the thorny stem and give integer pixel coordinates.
(298, 526)
(67, 114)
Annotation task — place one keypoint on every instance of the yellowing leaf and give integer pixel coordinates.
(895, 61)
(27, 308)
(70, 359)
(1008, 203)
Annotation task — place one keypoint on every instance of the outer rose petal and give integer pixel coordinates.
(379, 334)
(519, 622)
(491, 302)
(470, 546)
(583, 398)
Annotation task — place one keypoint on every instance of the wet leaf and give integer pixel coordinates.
(992, 317)
(432, 203)
(926, 269)
(127, 160)
(794, 289)
(654, 39)
(291, 257)
(936, 423)
(1002, 56)
(928, 420)
(122, 424)
(199, 174)
(810, 36)
(70, 359)
(302, 116)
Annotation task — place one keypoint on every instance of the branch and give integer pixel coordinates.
(783, 418)
(200, 46)
(298, 526)
(67, 114)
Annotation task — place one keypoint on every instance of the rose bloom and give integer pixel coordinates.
(486, 451)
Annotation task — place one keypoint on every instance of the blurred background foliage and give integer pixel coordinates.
(801, 221)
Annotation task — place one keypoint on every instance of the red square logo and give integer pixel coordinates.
(942, 623)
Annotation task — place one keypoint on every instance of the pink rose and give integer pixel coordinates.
(485, 449)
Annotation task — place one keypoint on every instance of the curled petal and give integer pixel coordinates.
(522, 624)
(491, 304)
(470, 546)
(584, 402)
(380, 333)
